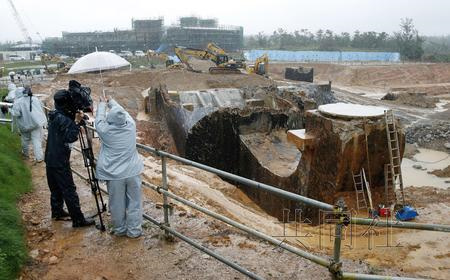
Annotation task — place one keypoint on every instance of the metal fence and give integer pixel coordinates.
(324, 56)
(4, 81)
(4, 118)
(341, 219)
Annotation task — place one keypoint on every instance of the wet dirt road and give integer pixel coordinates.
(60, 252)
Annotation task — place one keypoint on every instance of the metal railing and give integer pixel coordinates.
(333, 264)
(5, 120)
(341, 220)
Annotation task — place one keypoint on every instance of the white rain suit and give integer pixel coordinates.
(29, 122)
(120, 166)
(11, 93)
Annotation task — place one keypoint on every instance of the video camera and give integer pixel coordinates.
(77, 98)
(81, 96)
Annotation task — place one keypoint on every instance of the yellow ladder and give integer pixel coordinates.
(394, 168)
(359, 180)
(389, 192)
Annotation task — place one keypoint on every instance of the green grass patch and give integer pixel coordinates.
(15, 179)
(20, 64)
(3, 92)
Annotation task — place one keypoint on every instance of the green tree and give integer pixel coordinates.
(262, 40)
(408, 40)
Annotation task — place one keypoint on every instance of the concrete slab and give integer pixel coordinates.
(351, 111)
(300, 138)
(212, 98)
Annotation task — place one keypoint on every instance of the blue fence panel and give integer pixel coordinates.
(323, 56)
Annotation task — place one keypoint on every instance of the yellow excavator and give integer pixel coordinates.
(223, 64)
(151, 54)
(219, 52)
(261, 66)
(61, 66)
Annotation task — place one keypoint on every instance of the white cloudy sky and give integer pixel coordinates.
(50, 17)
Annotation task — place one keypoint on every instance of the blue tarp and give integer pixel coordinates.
(162, 48)
(323, 56)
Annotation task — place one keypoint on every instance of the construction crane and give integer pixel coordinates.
(20, 23)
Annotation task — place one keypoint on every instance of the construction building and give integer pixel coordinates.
(148, 34)
(195, 32)
(25, 51)
(145, 34)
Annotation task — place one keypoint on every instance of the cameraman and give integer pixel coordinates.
(30, 118)
(120, 166)
(63, 129)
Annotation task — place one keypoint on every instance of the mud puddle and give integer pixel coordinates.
(425, 161)
(380, 247)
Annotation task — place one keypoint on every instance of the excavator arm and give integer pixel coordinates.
(159, 56)
(223, 65)
(61, 66)
(184, 53)
(45, 58)
(212, 47)
(261, 66)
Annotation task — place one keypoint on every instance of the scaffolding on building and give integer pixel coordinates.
(148, 34)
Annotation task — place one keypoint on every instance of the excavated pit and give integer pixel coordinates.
(244, 131)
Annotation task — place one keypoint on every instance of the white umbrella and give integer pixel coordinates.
(98, 61)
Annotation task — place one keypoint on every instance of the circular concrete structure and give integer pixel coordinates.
(351, 111)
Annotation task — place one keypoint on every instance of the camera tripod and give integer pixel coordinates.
(89, 163)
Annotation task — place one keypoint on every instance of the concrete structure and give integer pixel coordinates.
(145, 34)
(26, 51)
(244, 132)
(148, 34)
(195, 32)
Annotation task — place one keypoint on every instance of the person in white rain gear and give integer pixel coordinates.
(11, 93)
(120, 166)
(11, 76)
(30, 119)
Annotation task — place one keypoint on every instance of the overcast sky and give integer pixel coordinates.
(50, 17)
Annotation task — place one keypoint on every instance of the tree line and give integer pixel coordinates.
(406, 41)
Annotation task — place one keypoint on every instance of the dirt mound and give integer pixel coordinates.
(442, 172)
(110, 78)
(431, 135)
(421, 196)
(139, 78)
(430, 89)
(417, 99)
(373, 75)
(187, 80)
(201, 64)
(174, 79)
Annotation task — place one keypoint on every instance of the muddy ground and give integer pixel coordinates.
(59, 252)
(88, 254)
